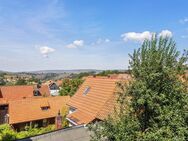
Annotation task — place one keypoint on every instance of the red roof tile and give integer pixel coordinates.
(97, 103)
(9, 93)
(30, 109)
(16, 92)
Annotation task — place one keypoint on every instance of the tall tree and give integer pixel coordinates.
(21, 82)
(156, 100)
(70, 86)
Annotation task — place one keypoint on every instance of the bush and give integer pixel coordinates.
(8, 134)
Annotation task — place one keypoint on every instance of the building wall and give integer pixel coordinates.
(39, 123)
(54, 92)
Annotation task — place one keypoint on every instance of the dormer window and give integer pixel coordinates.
(71, 110)
(86, 90)
(45, 108)
(36, 93)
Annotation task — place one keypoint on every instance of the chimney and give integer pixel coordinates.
(58, 121)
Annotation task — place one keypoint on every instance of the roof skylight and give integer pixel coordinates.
(86, 90)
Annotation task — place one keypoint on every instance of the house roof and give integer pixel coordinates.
(97, 103)
(80, 117)
(16, 92)
(59, 83)
(31, 109)
(44, 90)
(9, 93)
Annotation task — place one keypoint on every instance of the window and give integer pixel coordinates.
(44, 122)
(45, 108)
(71, 110)
(86, 90)
(36, 93)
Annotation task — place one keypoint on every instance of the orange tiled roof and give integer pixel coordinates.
(44, 90)
(16, 92)
(30, 109)
(3, 101)
(95, 103)
(9, 93)
(80, 117)
(59, 83)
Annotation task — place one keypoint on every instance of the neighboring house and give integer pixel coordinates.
(39, 111)
(54, 89)
(22, 92)
(94, 100)
(59, 83)
(14, 93)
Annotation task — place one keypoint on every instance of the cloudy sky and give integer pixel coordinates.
(84, 34)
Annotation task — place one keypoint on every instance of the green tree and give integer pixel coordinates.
(108, 72)
(70, 86)
(21, 82)
(64, 113)
(2, 82)
(154, 106)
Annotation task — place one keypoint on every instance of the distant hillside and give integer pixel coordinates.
(65, 71)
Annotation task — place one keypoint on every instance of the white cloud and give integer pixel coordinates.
(183, 21)
(133, 36)
(140, 37)
(45, 50)
(165, 33)
(75, 44)
(101, 41)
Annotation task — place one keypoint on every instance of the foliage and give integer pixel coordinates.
(64, 113)
(8, 134)
(108, 72)
(21, 82)
(34, 79)
(2, 82)
(83, 74)
(158, 108)
(30, 131)
(70, 86)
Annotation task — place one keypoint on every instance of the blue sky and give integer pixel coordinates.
(84, 34)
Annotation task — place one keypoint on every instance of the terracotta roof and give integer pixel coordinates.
(121, 76)
(97, 103)
(3, 101)
(9, 93)
(107, 108)
(16, 92)
(31, 109)
(80, 117)
(59, 83)
(44, 90)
